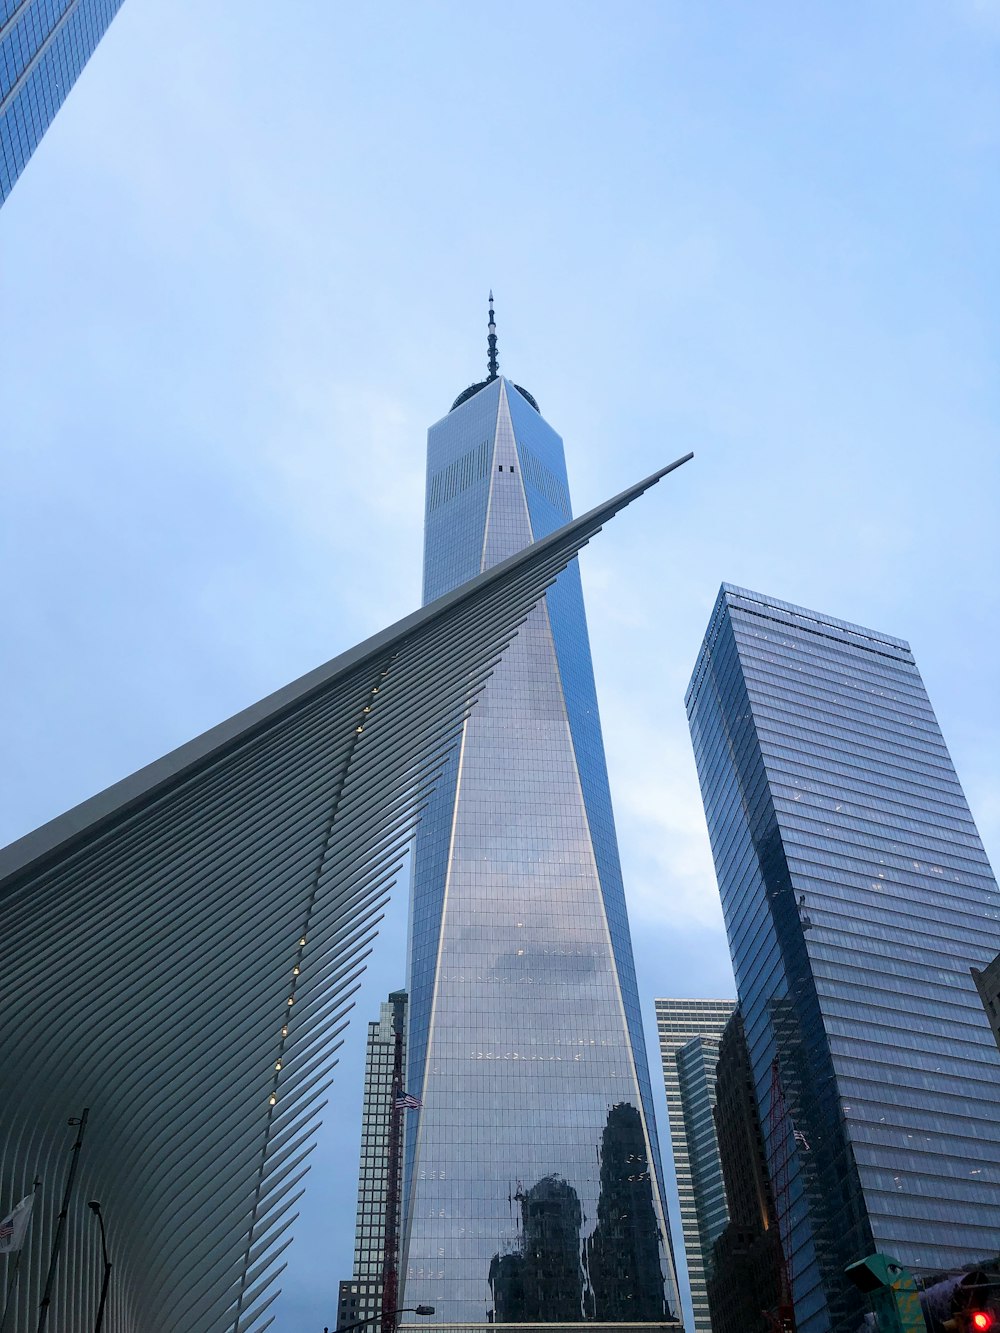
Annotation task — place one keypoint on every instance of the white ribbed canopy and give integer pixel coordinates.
(178, 955)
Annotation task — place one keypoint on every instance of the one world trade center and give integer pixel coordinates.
(532, 1188)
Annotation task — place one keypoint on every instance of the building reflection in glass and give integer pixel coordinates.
(614, 1275)
(623, 1252)
(543, 1281)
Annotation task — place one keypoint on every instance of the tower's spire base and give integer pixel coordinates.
(493, 368)
(493, 363)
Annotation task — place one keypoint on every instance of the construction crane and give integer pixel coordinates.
(390, 1251)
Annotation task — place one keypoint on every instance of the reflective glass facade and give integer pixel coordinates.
(689, 1033)
(857, 896)
(44, 44)
(532, 1171)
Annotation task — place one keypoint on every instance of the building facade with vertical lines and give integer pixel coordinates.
(44, 44)
(689, 1032)
(361, 1296)
(857, 896)
(533, 1189)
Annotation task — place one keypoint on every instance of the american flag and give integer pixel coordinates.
(407, 1102)
(14, 1226)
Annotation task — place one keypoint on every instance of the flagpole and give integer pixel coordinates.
(10, 1290)
(17, 1268)
(43, 1309)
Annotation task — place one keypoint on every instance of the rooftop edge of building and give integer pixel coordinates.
(801, 617)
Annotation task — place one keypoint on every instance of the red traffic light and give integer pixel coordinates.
(981, 1321)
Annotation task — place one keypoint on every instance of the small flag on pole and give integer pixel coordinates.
(406, 1102)
(801, 1139)
(15, 1225)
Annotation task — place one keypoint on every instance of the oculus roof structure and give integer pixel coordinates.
(180, 951)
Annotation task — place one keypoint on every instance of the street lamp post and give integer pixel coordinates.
(95, 1208)
(374, 1318)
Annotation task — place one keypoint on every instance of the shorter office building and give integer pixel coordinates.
(360, 1297)
(689, 1032)
(358, 1300)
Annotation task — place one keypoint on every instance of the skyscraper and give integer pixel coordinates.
(532, 1181)
(44, 44)
(689, 1032)
(857, 896)
(361, 1296)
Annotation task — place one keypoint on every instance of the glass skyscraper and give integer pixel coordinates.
(44, 44)
(857, 896)
(532, 1180)
(689, 1033)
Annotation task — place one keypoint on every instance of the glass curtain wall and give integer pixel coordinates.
(857, 896)
(532, 1171)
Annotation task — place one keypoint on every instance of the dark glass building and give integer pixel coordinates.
(361, 1296)
(857, 896)
(44, 44)
(689, 1032)
(744, 1271)
(533, 1189)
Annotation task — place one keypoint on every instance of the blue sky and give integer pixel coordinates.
(247, 268)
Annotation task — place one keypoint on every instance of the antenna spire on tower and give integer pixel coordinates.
(493, 363)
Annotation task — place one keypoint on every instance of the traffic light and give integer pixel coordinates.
(971, 1321)
(966, 1303)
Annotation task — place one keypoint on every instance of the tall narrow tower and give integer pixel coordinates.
(533, 1189)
